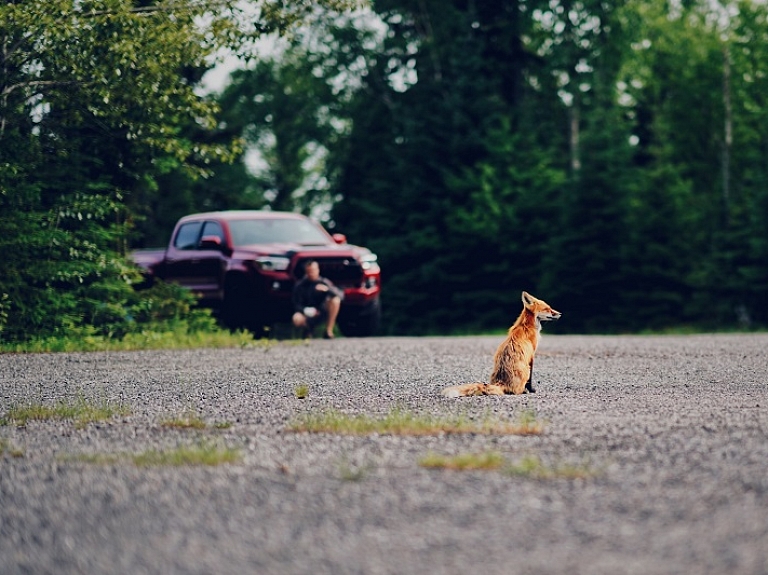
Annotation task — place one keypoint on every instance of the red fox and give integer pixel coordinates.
(513, 362)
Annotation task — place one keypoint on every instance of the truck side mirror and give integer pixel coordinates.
(210, 243)
(340, 239)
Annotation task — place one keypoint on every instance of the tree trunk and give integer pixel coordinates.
(727, 133)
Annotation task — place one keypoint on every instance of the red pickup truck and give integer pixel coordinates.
(245, 264)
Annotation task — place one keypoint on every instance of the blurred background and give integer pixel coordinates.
(608, 157)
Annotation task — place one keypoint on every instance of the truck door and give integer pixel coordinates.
(210, 261)
(195, 266)
(177, 266)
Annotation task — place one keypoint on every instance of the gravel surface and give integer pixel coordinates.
(670, 434)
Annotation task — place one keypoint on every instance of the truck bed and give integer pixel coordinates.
(146, 258)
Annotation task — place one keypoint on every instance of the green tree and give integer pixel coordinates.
(747, 47)
(278, 108)
(95, 98)
(697, 98)
(431, 125)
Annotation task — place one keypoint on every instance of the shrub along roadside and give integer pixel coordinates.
(177, 336)
(164, 316)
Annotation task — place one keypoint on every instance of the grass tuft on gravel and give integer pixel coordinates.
(6, 447)
(81, 411)
(92, 458)
(532, 466)
(529, 466)
(186, 421)
(465, 461)
(353, 472)
(401, 422)
(202, 454)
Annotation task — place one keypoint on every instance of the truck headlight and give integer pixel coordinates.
(273, 263)
(368, 260)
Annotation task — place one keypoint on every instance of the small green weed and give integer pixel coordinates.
(466, 461)
(202, 454)
(6, 447)
(187, 421)
(351, 472)
(92, 458)
(529, 466)
(528, 424)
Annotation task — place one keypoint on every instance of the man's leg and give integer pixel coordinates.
(332, 306)
(300, 320)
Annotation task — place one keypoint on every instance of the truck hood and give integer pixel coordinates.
(292, 249)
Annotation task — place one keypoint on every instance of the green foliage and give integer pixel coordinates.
(586, 153)
(611, 158)
(3, 311)
(99, 102)
(64, 276)
(179, 335)
(417, 179)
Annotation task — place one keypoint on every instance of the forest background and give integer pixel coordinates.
(610, 157)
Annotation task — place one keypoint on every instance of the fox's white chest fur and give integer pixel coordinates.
(538, 333)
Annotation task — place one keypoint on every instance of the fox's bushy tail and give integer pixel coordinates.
(474, 388)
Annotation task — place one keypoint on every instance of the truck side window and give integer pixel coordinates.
(188, 235)
(214, 229)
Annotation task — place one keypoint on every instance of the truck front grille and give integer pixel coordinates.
(343, 271)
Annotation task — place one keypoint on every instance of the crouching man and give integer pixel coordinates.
(316, 300)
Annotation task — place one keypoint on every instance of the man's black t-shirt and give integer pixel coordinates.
(307, 294)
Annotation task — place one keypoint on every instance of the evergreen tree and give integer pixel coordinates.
(94, 100)
(421, 127)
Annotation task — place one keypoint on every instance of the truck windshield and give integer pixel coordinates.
(248, 232)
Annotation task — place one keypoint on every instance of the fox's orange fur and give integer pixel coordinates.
(513, 362)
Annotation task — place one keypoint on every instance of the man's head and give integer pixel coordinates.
(312, 270)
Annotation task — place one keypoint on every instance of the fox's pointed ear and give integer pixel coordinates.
(527, 300)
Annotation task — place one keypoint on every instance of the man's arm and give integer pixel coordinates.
(332, 289)
(298, 297)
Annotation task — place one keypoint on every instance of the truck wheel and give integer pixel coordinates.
(361, 323)
(240, 310)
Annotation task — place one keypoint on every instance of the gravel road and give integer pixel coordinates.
(669, 436)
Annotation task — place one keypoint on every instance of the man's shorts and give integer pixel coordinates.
(322, 315)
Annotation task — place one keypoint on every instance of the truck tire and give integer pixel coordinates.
(361, 323)
(240, 310)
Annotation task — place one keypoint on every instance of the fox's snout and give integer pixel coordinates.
(550, 315)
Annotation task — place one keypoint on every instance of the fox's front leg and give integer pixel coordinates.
(520, 379)
(529, 383)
